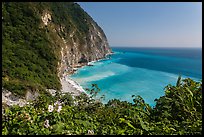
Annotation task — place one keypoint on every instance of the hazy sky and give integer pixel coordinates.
(150, 24)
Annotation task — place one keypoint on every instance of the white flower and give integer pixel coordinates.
(46, 123)
(59, 109)
(57, 103)
(50, 108)
(75, 103)
(90, 132)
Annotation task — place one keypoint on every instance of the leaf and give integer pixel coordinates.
(127, 122)
(121, 132)
(86, 123)
(166, 114)
(58, 127)
(130, 125)
(189, 91)
(142, 124)
(180, 98)
(133, 96)
(178, 83)
(167, 92)
(121, 120)
(5, 131)
(170, 99)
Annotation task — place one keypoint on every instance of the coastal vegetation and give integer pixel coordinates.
(31, 50)
(28, 60)
(30, 57)
(178, 112)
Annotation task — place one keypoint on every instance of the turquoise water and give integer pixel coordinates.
(140, 71)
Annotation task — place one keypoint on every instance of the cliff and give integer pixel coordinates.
(42, 40)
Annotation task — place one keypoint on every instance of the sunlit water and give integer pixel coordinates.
(140, 71)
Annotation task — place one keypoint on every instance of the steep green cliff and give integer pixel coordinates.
(41, 40)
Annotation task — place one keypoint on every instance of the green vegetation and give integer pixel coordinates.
(178, 112)
(30, 52)
(28, 59)
(30, 56)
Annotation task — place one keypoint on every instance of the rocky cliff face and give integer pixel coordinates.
(77, 47)
(43, 40)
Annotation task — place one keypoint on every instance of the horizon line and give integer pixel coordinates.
(150, 47)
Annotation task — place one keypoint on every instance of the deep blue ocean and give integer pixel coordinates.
(141, 71)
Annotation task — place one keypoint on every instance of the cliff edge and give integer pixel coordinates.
(43, 40)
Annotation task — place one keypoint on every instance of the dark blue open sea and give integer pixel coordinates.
(141, 71)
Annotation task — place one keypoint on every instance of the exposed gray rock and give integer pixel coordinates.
(31, 96)
(9, 99)
(75, 54)
(52, 91)
(72, 50)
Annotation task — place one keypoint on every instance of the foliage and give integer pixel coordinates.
(178, 112)
(30, 54)
(27, 54)
(181, 107)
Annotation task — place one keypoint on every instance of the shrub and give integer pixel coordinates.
(178, 112)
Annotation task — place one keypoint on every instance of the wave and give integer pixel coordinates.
(96, 77)
(134, 74)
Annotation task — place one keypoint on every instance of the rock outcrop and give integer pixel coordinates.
(76, 46)
(70, 38)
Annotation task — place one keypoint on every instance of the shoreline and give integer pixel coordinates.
(68, 86)
(73, 87)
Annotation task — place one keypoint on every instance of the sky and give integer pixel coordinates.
(148, 24)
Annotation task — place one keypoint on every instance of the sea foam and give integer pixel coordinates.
(142, 73)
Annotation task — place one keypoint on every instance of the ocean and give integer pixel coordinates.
(140, 71)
